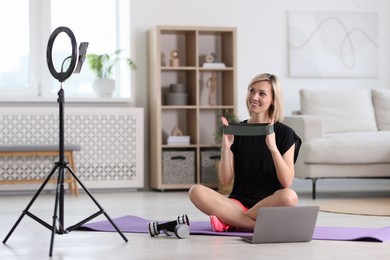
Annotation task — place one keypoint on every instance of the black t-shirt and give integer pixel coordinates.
(254, 170)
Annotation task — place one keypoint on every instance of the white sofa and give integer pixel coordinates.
(345, 134)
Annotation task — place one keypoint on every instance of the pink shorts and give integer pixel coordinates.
(244, 209)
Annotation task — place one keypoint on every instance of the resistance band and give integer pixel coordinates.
(248, 129)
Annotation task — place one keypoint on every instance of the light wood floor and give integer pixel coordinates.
(31, 240)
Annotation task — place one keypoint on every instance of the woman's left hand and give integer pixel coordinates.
(270, 139)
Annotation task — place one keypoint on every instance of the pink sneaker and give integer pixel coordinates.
(217, 225)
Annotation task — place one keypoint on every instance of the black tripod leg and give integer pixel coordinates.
(97, 204)
(25, 211)
(58, 204)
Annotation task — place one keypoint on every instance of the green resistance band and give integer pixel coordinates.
(248, 129)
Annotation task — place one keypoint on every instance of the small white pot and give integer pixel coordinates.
(103, 87)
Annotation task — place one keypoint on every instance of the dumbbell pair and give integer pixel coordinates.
(179, 227)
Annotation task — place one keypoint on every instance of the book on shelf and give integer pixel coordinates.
(177, 140)
(214, 65)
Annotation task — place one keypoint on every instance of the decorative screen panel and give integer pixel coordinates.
(111, 142)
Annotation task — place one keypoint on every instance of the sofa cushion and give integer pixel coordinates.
(342, 110)
(348, 148)
(381, 100)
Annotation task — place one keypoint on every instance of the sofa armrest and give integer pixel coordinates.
(307, 127)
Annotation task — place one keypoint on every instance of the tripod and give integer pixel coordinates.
(58, 215)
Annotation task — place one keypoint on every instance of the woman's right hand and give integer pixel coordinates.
(226, 172)
(227, 140)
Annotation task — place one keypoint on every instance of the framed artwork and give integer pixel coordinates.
(333, 44)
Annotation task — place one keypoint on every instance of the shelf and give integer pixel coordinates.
(216, 69)
(177, 68)
(203, 93)
(177, 107)
(169, 146)
(206, 107)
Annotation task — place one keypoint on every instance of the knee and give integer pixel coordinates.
(195, 191)
(288, 197)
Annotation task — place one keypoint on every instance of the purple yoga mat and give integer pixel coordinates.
(134, 224)
(352, 234)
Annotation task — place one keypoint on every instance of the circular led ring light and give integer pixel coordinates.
(61, 76)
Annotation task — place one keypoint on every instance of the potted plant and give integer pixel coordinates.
(102, 66)
(231, 118)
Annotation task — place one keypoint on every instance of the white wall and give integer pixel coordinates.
(262, 39)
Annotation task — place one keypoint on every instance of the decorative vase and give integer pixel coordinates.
(103, 87)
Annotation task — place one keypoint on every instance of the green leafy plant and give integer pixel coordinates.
(103, 64)
(231, 118)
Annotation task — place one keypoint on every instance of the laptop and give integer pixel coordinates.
(284, 224)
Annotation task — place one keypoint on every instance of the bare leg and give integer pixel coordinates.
(211, 202)
(283, 198)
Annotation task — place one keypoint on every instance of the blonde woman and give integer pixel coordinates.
(262, 166)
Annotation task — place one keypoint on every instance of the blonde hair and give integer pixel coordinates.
(276, 109)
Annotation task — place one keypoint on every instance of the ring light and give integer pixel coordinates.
(61, 76)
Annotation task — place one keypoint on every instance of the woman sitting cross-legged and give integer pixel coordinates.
(262, 166)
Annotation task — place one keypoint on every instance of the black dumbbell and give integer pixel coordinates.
(178, 227)
(180, 231)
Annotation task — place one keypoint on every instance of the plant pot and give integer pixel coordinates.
(103, 87)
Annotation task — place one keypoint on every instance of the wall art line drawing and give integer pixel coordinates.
(333, 44)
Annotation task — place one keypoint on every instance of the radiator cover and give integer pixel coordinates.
(111, 139)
